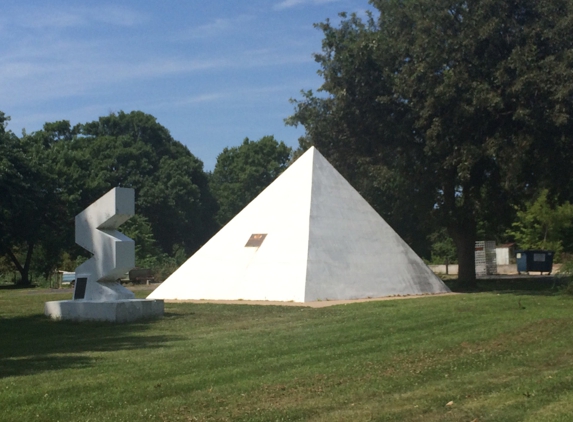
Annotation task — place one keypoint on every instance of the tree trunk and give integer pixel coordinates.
(23, 270)
(464, 238)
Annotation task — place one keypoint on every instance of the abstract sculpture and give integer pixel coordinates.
(98, 295)
(114, 252)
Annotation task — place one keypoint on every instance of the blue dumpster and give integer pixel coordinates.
(534, 260)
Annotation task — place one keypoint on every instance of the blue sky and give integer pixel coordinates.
(212, 72)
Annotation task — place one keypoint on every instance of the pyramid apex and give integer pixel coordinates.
(311, 151)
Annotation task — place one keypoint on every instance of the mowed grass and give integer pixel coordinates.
(471, 357)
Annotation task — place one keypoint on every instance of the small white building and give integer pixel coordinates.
(505, 254)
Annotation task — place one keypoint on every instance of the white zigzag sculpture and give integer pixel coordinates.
(114, 252)
(98, 296)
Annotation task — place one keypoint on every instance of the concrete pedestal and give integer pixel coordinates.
(113, 311)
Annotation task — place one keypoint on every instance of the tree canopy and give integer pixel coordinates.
(49, 176)
(458, 109)
(133, 150)
(242, 172)
(544, 225)
(32, 211)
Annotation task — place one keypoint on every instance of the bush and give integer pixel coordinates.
(566, 271)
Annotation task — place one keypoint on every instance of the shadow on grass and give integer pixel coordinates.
(17, 286)
(34, 344)
(522, 285)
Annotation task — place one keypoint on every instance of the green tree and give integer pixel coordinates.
(146, 248)
(541, 225)
(49, 176)
(242, 172)
(133, 150)
(32, 212)
(467, 103)
(443, 248)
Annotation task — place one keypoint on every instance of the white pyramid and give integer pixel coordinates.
(320, 241)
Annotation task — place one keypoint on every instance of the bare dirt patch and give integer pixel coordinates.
(317, 304)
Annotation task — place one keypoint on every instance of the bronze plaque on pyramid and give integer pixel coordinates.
(255, 240)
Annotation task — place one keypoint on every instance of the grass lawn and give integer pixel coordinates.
(490, 356)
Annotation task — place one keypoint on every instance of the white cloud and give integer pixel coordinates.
(72, 69)
(214, 28)
(39, 18)
(22, 81)
(117, 15)
(198, 99)
(268, 57)
(288, 4)
(233, 97)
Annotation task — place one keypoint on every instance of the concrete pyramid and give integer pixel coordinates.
(308, 236)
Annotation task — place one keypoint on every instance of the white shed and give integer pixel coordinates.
(505, 254)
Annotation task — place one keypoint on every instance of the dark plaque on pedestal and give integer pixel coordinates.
(80, 290)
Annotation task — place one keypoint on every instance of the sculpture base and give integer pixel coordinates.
(112, 311)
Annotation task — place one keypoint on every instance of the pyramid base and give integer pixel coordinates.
(127, 310)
